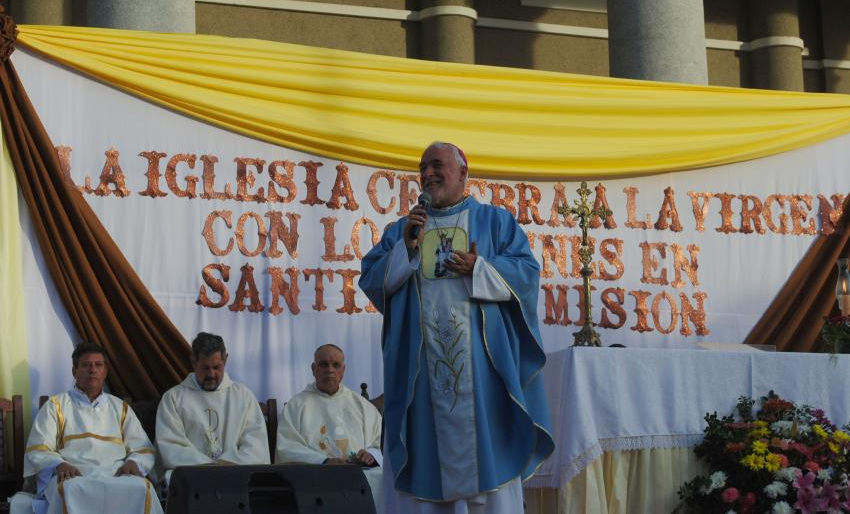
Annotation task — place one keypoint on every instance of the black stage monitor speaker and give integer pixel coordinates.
(281, 488)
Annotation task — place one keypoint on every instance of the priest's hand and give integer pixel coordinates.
(462, 263)
(129, 468)
(65, 471)
(365, 458)
(335, 461)
(415, 220)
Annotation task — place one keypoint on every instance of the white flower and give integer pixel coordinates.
(782, 508)
(718, 480)
(787, 474)
(776, 489)
(825, 474)
(782, 427)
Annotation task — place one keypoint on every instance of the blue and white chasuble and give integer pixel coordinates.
(465, 408)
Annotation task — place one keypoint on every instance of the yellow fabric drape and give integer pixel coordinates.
(381, 111)
(14, 366)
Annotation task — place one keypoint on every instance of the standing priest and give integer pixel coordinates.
(465, 409)
(87, 449)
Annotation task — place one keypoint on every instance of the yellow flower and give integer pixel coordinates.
(819, 431)
(759, 447)
(841, 437)
(760, 432)
(772, 462)
(833, 447)
(753, 462)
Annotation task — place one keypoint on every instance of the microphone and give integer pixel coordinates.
(424, 202)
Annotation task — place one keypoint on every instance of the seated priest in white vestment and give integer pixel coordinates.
(87, 450)
(327, 423)
(208, 418)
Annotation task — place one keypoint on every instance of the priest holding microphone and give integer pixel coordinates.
(465, 411)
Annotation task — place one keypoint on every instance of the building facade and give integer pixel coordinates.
(798, 45)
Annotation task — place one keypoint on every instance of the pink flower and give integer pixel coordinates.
(747, 502)
(812, 466)
(783, 461)
(807, 498)
(829, 494)
(729, 495)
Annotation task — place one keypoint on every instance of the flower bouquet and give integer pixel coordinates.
(836, 334)
(785, 458)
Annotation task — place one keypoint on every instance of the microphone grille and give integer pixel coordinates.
(425, 199)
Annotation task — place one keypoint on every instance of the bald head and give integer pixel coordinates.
(328, 368)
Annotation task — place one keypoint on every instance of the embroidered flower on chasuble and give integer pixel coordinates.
(448, 336)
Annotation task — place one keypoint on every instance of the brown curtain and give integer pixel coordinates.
(795, 317)
(105, 299)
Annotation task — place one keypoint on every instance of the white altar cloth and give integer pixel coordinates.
(613, 399)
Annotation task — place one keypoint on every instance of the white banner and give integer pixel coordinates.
(262, 244)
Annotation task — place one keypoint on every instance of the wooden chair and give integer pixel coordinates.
(377, 402)
(269, 409)
(11, 464)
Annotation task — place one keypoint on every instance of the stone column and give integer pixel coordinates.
(41, 12)
(657, 40)
(153, 15)
(835, 20)
(448, 30)
(777, 50)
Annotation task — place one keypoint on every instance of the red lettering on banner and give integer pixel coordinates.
(700, 209)
(801, 205)
(556, 308)
(560, 202)
(171, 175)
(111, 174)
(342, 188)
(209, 181)
(611, 250)
(372, 190)
(528, 204)
(613, 299)
(278, 231)
(782, 228)
(407, 197)
(669, 212)
(153, 174)
(284, 180)
(602, 201)
(641, 310)
(209, 233)
(245, 179)
(503, 196)
(247, 288)
(288, 290)
(725, 213)
(751, 212)
(330, 254)
(348, 291)
(312, 182)
(217, 285)
(319, 287)
(631, 207)
(829, 214)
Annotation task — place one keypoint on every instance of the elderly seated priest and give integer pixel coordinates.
(208, 418)
(87, 449)
(327, 423)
